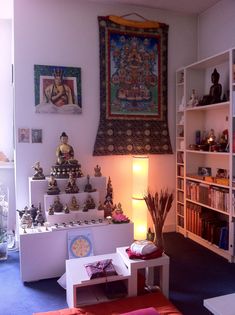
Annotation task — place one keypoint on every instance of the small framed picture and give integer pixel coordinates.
(36, 135)
(204, 171)
(23, 135)
(221, 173)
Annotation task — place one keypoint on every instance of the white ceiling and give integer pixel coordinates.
(183, 6)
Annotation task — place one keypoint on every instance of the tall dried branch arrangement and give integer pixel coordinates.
(159, 206)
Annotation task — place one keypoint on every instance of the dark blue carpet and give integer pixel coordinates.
(195, 274)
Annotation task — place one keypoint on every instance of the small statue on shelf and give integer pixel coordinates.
(52, 186)
(88, 187)
(51, 210)
(57, 205)
(71, 187)
(39, 217)
(26, 220)
(65, 152)
(97, 170)
(100, 206)
(193, 101)
(215, 93)
(118, 216)
(108, 203)
(74, 206)
(38, 171)
(89, 204)
(66, 209)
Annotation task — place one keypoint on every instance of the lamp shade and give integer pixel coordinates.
(139, 189)
(139, 176)
(139, 218)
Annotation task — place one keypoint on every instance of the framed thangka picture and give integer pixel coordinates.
(57, 89)
(133, 87)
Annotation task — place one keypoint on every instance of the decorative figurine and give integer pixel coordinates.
(88, 187)
(51, 210)
(97, 170)
(52, 186)
(108, 203)
(118, 216)
(66, 209)
(38, 171)
(71, 187)
(39, 217)
(26, 219)
(89, 204)
(65, 163)
(215, 91)
(65, 152)
(74, 206)
(193, 100)
(57, 205)
(100, 206)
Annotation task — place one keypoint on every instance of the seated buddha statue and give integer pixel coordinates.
(65, 152)
(215, 92)
(52, 186)
(71, 187)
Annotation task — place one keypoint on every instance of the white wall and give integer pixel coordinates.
(216, 28)
(62, 32)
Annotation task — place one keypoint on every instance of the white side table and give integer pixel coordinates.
(162, 262)
(77, 278)
(221, 305)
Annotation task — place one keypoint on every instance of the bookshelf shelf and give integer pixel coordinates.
(208, 194)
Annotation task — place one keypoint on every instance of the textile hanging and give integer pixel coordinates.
(133, 88)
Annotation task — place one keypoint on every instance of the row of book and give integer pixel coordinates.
(212, 196)
(207, 224)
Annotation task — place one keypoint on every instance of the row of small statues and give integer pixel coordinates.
(58, 206)
(40, 175)
(71, 187)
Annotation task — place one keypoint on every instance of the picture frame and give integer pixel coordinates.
(204, 171)
(80, 244)
(57, 89)
(36, 135)
(221, 173)
(23, 135)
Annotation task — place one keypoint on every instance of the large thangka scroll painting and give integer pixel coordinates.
(133, 88)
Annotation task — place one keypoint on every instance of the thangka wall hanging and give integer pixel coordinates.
(57, 89)
(133, 88)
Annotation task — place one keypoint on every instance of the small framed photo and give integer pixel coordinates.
(23, 135)
(204, 171)
(36, 135)
(221, 173)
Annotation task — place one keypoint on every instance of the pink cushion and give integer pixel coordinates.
(143, 311)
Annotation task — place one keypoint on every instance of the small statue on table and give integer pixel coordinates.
(66, 209)
(89, 204)
(97, 170)
(108, 203)
(88, 187)
(38, 171)
(52, 186)
(71, 187)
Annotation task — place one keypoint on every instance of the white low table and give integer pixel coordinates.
(162, 262)
(77, 279)
(221, 305)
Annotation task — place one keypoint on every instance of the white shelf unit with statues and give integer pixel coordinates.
(208, 168)
(180, 154)
(44, 249)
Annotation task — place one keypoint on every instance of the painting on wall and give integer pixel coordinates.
(133, 87)
(57, 89)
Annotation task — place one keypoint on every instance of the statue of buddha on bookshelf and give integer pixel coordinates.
(214, 95)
